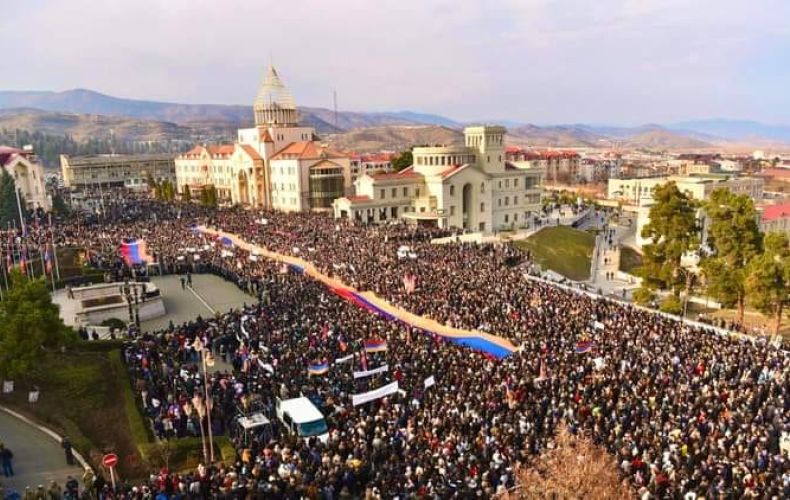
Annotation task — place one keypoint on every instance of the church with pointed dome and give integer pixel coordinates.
(276, 164)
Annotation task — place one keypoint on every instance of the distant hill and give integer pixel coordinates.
(90, 102)
(82, 126)
(83, 113)
(393, 138)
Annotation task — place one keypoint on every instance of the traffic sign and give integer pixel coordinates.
(109, 460)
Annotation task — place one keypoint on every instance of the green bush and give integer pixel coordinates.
(672, 305)
(114, 323)
(99, 346)
(643, 296)
(141, 433)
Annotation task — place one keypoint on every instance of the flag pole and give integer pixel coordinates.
(19, 206)
(54, 247)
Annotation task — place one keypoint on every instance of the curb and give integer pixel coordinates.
(49, 432)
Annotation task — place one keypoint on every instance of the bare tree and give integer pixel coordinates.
(573, 468)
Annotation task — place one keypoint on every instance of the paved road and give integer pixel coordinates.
(38, 458)
(210, 294)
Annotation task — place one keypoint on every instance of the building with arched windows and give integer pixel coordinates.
(275, 164)
(28, 176)
(470, 186)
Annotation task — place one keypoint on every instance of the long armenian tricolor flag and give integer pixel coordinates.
(375, 345)
(318, 368)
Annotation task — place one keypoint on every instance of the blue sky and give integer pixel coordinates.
(539, 61)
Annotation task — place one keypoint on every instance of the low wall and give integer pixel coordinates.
(461, 238)
(491, 344)
(150, 309)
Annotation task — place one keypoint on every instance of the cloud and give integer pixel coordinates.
(530, 60)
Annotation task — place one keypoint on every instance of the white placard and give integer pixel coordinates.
(429, 382)
(598, 325)
(374, 371)
(8, 386)
(32, 397)
(344, 359)
(367, 397)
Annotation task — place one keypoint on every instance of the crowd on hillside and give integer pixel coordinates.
(687, 412)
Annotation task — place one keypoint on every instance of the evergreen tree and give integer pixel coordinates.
(186, 194)
(9, 208)
(768, 278)
(30, 325)
(673, 231)
(403, 160)
(735, 239)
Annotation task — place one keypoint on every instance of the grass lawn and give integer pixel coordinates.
(81, 397)
(629, 259)
(562, 249)
(86, 394)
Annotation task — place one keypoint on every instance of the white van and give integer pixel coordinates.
(301, 417)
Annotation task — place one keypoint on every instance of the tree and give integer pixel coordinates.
(574, 468)
(186, 194)
(768, 278)
(403, 160)
(735, 239)
(59, 206)
(30, 324)
(208, 196)
(673, 231)
(9, 209)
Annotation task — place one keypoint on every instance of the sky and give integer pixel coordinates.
(623, 62)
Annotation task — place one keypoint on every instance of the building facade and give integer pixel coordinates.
(28, 176)
(129, 171)
(276, 164)
(470, 186)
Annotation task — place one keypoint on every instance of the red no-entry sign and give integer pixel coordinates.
(109, 460)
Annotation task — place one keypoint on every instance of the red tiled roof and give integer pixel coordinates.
(305, 150)
(397, 175)
(358, 198)
(223, 149)
(8, 153)
(251, 151)
(450, 170)
(774, 212)
(266, 136)
(776, 172)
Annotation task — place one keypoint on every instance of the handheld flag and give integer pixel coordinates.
(584, 346)
(47, 260)
(375, 345)
(318, 368)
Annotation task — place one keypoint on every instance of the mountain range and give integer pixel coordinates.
(85, 114)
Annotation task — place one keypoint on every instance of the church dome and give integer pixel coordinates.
(274, 106)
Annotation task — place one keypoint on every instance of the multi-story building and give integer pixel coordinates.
(275, 164)
(361, 164)
(28, 176)
(775, 218)
(470, 186)
(638, 193)
(114, 170)
(560, 167)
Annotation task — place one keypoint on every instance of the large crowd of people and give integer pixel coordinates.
(688, 412)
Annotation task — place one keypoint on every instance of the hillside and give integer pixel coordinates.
(90, 102)
(393, 138)
(83, 127)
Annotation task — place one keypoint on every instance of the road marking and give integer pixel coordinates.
(201, 299)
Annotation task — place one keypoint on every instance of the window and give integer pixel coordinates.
(452, 209)
(500, 184)
(507, 200)
(405, 192)
(507, 183)
(515, 200)
(417, 192)
(382, 192)
(515, 217)
(499, 202)
(482, 187)
(452, 190)
(506, 219)
(394, 192)
(482, 207)
(515, 182)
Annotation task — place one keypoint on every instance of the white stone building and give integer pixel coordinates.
(28, 176)
(275, 164)
(469, 186)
